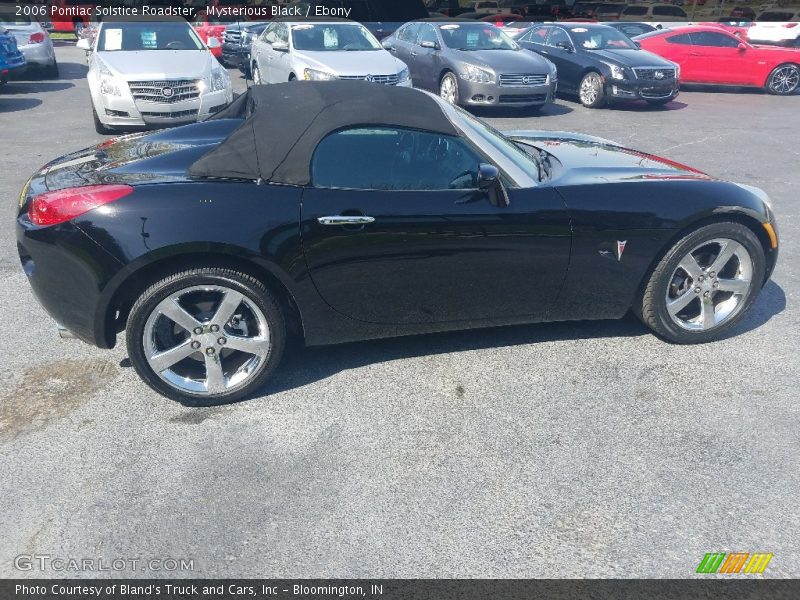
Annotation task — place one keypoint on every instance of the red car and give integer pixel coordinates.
(709, 54)
(210, 27)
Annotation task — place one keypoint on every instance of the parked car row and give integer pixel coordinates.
(31, 41)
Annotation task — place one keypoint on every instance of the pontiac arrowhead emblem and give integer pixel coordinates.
(620, 248)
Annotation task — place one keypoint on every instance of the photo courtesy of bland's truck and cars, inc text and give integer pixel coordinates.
(399, 298)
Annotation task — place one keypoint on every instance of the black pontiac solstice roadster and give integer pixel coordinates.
(342, 211)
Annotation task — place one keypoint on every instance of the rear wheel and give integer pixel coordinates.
(206, 336)
(590, 90)
(704, 284)
(784, 80)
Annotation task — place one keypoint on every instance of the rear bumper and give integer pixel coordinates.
(39, 55)
(67, 272)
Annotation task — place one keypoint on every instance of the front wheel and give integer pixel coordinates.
(784, 80)
(448, 88)
(206, 336)
(590, 90)
(704, 284)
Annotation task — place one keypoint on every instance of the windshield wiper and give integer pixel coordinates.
(540, 158)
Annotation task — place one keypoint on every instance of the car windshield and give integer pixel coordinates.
(595, 38)
(332, 37)
(466, 36)
(132, 37)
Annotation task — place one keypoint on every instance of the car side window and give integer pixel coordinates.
(558, 36)
(388, 158)
(269, 34)
(668, 11)
(409, 33)
(716, 40)
(537, 35)
(427, 34)
(682, 39)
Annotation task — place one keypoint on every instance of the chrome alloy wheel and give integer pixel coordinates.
(447, 89)
(710, 285)
(785, 79)
(206, 340)
(590, 89)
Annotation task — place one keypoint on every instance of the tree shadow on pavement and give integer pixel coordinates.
(9, 105)
(16, 87)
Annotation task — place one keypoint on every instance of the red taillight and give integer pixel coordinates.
(52, 208)
(37, 38)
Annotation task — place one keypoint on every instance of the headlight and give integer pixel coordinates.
(553, 70)
(677, 71)
(617, 72)
(402, 76)
(108, 84)
(219, 80)
(314, 75)
(476, 74)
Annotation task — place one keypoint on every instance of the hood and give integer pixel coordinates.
(505, 61)
(631, 58)
(158, 64)
(587, 158)
(378, 62)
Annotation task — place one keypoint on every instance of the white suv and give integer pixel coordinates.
(776, 26)
(658, 15)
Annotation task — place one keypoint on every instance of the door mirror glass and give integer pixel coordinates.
(83, 44)
(487, 176)
(280, 47)
(742, 47)
(429, 44)
(489, 182)
(566, 46)
(387, 45)
(213, 43)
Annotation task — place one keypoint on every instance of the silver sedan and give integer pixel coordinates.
(33, 41)
(473, 64)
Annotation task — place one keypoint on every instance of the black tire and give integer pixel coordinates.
(651, 306)
(252, 288)
(600, 99)
(98, 125)
(51, 71)
(790, 70)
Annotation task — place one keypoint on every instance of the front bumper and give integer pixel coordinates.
(493, 94)
(640, 89)
(125, 111)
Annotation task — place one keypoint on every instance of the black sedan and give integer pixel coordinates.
(339, 211)
(601, 64)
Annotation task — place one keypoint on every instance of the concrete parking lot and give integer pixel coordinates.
(558, 450)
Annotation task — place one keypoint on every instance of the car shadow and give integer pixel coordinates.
(551, 109)
(72, 70)
(9, 105)
(303, 366)
(631, 106)
(17, 87)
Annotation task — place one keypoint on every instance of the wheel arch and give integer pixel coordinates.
(736, 217)
(113, 315)
(778, 66)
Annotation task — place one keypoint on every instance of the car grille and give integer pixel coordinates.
(384, 79)
(157, 91)
(522, 98)
(232, 37)
(522, 79)
(650, 73)
(170, 115)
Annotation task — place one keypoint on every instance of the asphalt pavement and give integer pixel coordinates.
(588, 449)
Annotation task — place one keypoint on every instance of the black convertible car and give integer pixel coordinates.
(601, 64)
(341, 211)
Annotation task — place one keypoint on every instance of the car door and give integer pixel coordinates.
(403, 41)
(561, 51)
(395, 232)
(719, 58)
(426, 60)
(281, 63)
(262, 53)
(679, 48)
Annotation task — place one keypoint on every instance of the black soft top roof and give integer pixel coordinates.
(284, 123)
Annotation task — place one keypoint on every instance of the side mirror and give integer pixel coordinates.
(213, 42)
(429, 44)
(83, 44)
(489, 182)
(742, 47)
(564, 46)
(280, 47)
(387, 45)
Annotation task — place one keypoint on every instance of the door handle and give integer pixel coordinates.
(345, 220)
(413, 54)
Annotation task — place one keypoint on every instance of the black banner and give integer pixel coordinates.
(395, 589)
